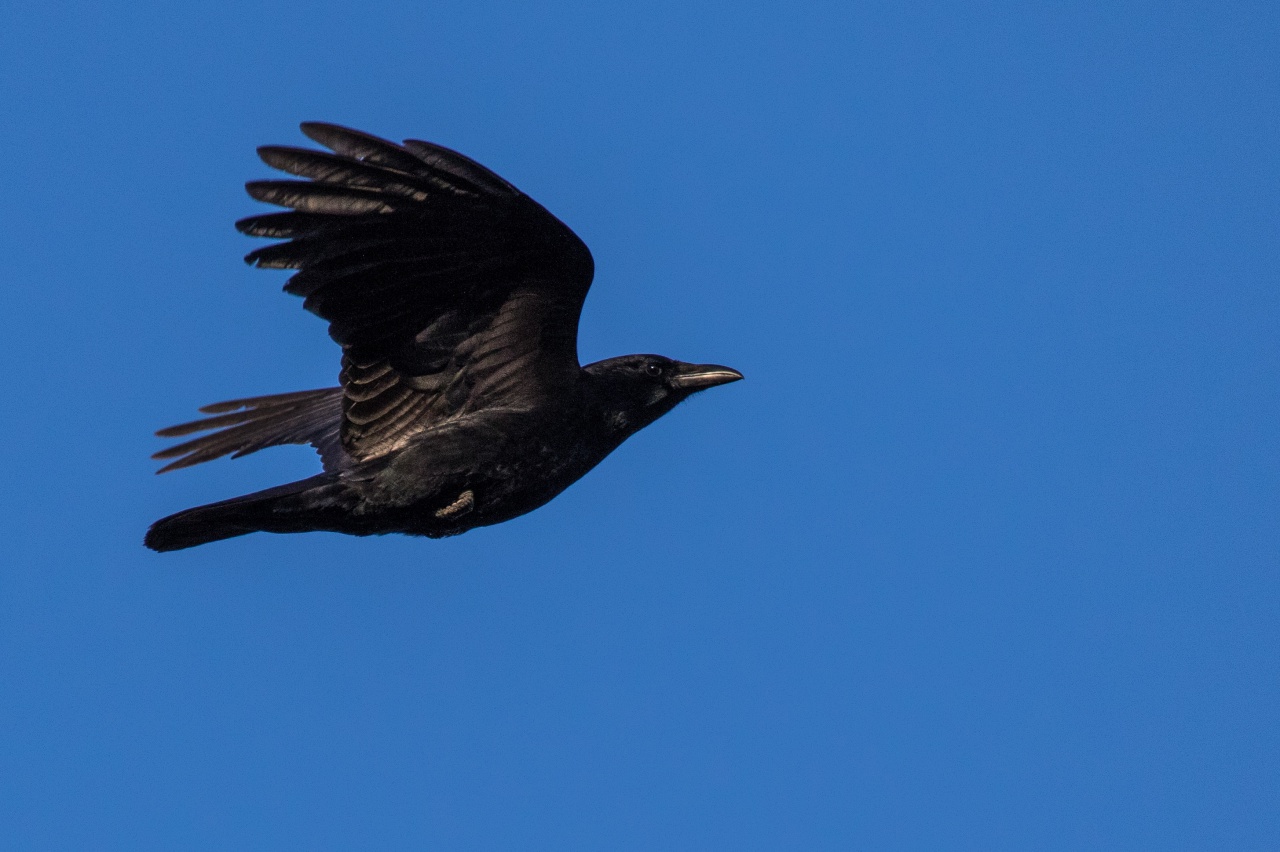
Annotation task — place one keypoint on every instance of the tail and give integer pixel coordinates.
(285, 508)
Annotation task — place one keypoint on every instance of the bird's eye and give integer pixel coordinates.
(654, 370)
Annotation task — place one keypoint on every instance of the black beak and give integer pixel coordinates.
(696, 377)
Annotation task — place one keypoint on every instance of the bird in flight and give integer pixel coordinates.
(455, 299)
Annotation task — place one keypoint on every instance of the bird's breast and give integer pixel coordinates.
(492, 472)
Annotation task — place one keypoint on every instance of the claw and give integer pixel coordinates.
(466, 500)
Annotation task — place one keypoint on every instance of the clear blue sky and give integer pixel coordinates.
(982, 555)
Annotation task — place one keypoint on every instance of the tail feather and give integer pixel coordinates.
(272, 510)
(200, 525)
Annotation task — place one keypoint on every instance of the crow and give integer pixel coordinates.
(455, 299)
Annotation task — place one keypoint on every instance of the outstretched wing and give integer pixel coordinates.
(245, 426)
(449, 290)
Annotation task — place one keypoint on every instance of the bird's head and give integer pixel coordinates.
(635, 390)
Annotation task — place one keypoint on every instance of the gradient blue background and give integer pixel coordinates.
(982, 555)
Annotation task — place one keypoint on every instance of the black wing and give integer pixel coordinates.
(247, 425)
(449, 290)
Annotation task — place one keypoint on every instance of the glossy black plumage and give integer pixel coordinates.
(455, 299)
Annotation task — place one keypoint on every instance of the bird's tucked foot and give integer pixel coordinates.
(465, 502)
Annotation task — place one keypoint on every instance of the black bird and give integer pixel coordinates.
(455, 298)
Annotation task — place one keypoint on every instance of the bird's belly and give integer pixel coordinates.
(509, 490)
(497, 486)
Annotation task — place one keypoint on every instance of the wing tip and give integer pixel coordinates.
(312, 128)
